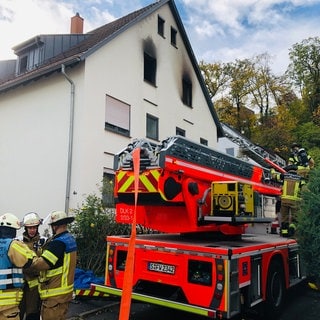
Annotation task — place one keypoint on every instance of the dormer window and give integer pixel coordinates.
(23, 64)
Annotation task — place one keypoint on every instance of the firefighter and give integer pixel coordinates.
(290, 201)
(15, 255)
(30, 304)
(56, 265)
(301, 159)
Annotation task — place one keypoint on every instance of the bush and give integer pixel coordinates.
(93, 222)
(308, 229)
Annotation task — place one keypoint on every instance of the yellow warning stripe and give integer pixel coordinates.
(127, 184)
(90, 293)
(159, 301)
(145, 181)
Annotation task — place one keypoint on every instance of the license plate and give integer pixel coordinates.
(160, 267)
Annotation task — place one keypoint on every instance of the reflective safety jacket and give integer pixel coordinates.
(59, 254)
(13, 256)
(36, 243)
(294, 159)
(292, 184)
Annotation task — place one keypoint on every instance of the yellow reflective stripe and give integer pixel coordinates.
(50, 257)
(120, 175)
(66, 268)
(33, 283)
(158, 301)
(10, 298)
(156, 174)
(64, 287)
(53, 272)
(26, 252)
(127, 184)
(149, 186)
(47, 293)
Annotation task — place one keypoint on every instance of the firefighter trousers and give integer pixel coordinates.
(52, 310)
(9, 313)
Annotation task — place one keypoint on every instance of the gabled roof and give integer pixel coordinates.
(101, 36)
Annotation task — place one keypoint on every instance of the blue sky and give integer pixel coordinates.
(219, 30)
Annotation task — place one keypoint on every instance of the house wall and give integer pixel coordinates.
(34, 120)
(116, 69)
(34, 123)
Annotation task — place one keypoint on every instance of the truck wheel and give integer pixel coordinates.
(275, 295)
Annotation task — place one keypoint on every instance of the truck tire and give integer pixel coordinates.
(276, 290)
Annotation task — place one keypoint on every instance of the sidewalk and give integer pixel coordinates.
(81, 308)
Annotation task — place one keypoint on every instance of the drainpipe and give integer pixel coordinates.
(71, 123)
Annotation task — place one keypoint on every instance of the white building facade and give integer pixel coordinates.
(62, 123)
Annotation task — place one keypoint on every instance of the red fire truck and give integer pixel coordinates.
(205, 256)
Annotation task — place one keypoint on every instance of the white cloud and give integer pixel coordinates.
(219, 30)
(28, 18)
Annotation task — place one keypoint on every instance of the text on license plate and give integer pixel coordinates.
(160, 267)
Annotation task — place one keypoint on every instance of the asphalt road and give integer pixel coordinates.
(302, 304)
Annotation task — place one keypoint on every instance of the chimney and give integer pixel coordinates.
(76, 24)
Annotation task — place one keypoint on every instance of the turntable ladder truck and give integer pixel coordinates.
(201, 259)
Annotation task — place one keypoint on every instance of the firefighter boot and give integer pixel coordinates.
(284, 231)
(292, 230)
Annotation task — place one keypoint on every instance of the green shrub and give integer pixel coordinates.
(93, 222)
(308, 229)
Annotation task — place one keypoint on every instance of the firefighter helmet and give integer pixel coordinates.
(59, 217)
(9, 220)
(31, 219)
(295, 145)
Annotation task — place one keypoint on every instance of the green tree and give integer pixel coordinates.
(278, 124)
(216, 76)
(304, 70)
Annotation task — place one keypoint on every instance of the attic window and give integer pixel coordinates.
(173, 37)
(161, 26)
(187, 92)
(23, 64)
(150, 69)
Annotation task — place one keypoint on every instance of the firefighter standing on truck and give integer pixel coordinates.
(57, 265)
(14, 255)
(30, 304)
(301, 159)
(290, 201)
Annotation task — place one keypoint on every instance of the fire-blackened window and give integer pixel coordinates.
(150, 68)
(187, 92)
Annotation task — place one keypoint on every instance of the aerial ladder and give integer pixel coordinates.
(258, 154)
(187, 187)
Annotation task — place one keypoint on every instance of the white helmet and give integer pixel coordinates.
(31, 219)
(59, 218)
(9, 220)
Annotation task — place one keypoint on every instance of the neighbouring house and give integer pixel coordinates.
(69, 102)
